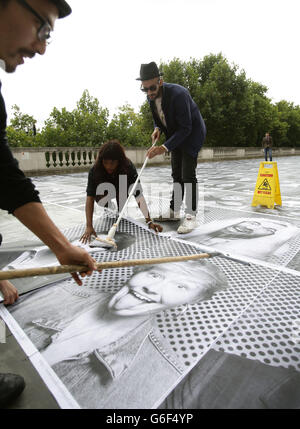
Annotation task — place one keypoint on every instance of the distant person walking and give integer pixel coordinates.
(267, 144)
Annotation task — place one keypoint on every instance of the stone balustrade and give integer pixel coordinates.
(70, 159)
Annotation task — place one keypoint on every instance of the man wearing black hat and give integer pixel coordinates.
(176, 115)
(25, 29)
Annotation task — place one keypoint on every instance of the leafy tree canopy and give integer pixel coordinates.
(236, 110)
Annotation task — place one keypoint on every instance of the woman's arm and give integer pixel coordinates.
(89, 211)
(144, 209)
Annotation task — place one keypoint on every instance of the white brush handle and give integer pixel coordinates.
(132, 191)
(111, 232)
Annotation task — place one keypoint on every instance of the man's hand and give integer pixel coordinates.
(86, 236)
(9, 292)
(155, 135)
(74, 255)
(154, 151)
(35, 217)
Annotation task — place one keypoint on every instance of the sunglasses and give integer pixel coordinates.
(44, 32)
(149, 88)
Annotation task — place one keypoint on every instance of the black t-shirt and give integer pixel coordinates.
(113, 186)
(15, 189)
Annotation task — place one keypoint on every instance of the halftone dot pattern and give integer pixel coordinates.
(254, 315)
(290, 248)
(192, 329)
(111, 280)
(267, 331)
(196, 327)
(217, 213)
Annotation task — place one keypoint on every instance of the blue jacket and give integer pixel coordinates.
(185, 125)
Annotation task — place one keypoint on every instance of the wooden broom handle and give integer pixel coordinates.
(61, 269)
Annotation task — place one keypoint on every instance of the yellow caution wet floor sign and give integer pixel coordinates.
(267, 189)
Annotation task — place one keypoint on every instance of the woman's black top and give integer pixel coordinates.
(103, 185)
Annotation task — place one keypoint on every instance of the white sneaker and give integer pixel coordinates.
(189, 223)
(169, 215)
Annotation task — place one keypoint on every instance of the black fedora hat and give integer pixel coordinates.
(149, 71)
(63, 8)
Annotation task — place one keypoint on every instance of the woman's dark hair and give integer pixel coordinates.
(111, 150)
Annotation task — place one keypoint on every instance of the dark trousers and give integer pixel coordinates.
(268, 149)
(184, 181)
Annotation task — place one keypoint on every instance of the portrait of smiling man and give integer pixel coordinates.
(106, 347)
(25, 30)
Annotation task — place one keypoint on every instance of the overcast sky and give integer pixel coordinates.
(101, 45)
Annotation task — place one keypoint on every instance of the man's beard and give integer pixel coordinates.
(4, 67)
(10, 69)
(155, 96)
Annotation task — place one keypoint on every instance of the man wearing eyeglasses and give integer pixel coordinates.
(25, 30)
(177, 116)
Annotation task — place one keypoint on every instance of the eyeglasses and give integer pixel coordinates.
(44, 32)
(150, 88)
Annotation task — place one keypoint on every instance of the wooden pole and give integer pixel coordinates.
(61, 269)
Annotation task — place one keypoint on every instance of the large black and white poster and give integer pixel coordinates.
(129, 336)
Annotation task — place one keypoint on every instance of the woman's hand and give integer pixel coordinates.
(157, 228)
(87, 235)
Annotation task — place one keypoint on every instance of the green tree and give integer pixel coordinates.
(286, 127)
(84, 126)
(261, 114)
(129, 127)
(22, 129)
(22, 121)
(235, 109)
(19, 138)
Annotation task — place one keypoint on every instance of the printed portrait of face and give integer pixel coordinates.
(249, 229)
(241, 228)
(163, 286)
(253, 237)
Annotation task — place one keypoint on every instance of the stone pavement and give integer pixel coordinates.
(226, 188)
